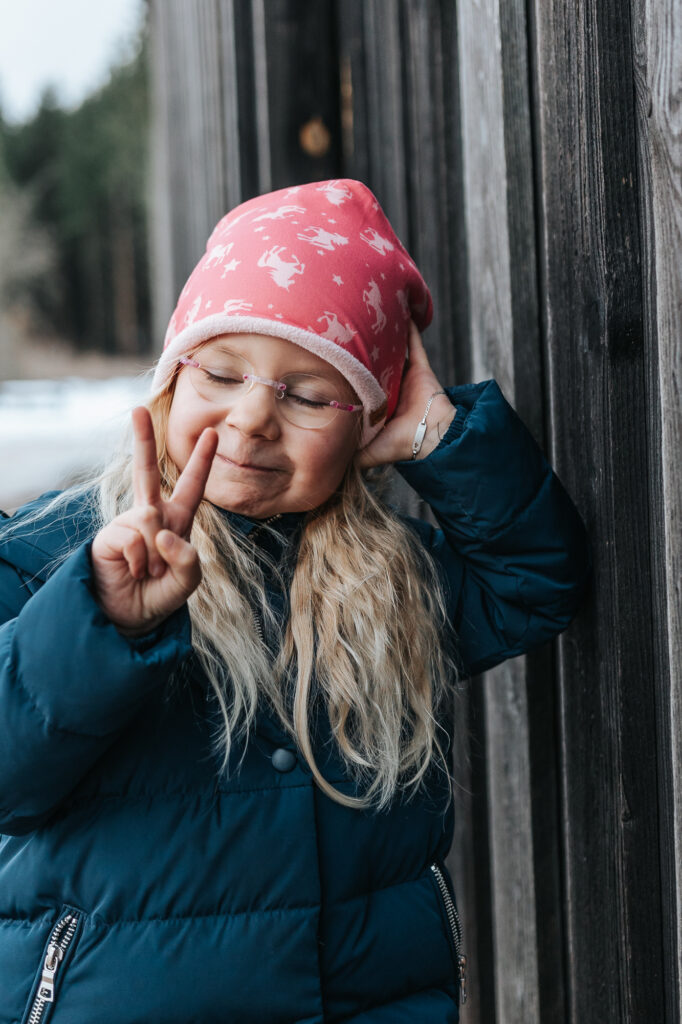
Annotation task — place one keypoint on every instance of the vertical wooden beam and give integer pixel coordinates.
(230, 141)
(596, 362)
(504, 340)
(261, 105)
(657, 36)
(161, 248)
(187, 158)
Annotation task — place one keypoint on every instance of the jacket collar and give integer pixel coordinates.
(287, 523)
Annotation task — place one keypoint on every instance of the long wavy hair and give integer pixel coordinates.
(366, 630)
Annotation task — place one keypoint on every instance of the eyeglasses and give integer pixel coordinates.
(304, 399)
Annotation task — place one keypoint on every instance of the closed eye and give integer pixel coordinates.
(221, 378)
(307, 403)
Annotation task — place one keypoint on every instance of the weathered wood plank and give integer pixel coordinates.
(161, 245)
(384, 67)
(503, 336)
(229, 141)
(592, 314)
(302, 91)
(260, 96)
(657, 35)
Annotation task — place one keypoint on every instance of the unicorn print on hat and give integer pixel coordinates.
(321, 238)
(336, 331)
(279, 213)
(282, 271)
(372, 299)
(336, 192)
(374, 239)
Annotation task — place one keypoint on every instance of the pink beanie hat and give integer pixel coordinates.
(316, 264)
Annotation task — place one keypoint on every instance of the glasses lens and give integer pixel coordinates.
(306, 400)
(222, 380)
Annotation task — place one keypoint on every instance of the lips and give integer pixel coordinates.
(245, 465)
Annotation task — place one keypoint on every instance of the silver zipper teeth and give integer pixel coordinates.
(254, 532)
(455, 928)
(60, 940)
(256, 614)
(260, 526)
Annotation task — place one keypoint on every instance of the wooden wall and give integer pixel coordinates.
(529, 153)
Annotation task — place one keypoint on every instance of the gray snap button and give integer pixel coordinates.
(283, 760)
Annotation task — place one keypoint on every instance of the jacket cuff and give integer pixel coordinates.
(498, 500)
(462, 398)
(486, 469)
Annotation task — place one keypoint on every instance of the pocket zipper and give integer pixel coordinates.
(61, 938)
(455, 928)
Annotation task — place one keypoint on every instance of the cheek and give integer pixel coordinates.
(181, 434)
(325, 461)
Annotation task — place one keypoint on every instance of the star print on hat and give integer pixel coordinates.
(317, 264)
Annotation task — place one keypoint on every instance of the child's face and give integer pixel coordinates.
(303, 467)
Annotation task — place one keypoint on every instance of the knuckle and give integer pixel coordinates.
(148, 515)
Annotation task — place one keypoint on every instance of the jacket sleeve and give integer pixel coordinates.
(514, 551)
(69, 684)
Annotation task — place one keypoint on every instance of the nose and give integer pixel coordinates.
(254, 412)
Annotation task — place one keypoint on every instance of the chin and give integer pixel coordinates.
(235, 499)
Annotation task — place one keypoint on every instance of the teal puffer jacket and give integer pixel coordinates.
(139, 886)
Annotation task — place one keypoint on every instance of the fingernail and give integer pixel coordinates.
(158, 570)
(166, 538)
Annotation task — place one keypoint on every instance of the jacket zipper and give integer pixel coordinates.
(256, 614)
(455, 928)
(265, 522)
(254, 532)
(61, 938)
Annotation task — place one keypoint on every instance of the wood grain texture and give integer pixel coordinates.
(591, 295)
(161, 191)
(657, 35)
(504, 339)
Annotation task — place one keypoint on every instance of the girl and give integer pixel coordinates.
(226, 669)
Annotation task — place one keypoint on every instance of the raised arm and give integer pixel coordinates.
(512, 545)
(513, 549)
(74, 670)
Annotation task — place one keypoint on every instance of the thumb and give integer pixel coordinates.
(415, 347)
(181, 558)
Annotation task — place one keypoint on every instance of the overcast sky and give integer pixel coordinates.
(66, 43)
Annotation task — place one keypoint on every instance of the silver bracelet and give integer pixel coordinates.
(421, 428)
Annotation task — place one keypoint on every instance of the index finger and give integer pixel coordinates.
(191, 484)
(146, 478)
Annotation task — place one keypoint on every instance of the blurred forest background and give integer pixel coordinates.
(73, 235)
(75, 285)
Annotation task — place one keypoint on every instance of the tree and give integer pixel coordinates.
(86, 174)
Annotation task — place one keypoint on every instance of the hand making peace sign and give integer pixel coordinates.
(144, 566)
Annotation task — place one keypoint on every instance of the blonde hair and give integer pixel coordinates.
(367, 630)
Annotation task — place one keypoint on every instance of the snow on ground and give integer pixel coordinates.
(51, 429)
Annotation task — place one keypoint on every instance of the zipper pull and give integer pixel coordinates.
(55, 954)
(462, 972)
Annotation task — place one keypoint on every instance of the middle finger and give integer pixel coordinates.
(191, 484)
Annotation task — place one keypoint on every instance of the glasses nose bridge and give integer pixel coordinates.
(262, 411)
(277, 386)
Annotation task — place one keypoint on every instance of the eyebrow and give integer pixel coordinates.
(313, 372)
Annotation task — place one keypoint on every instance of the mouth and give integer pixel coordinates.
(245, 466)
